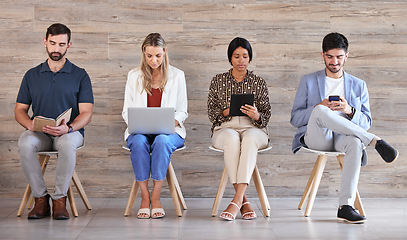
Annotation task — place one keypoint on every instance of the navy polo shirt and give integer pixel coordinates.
(50, 93)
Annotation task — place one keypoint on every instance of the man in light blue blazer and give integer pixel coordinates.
(332, 113)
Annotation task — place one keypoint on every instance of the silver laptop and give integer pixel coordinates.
(151, 120)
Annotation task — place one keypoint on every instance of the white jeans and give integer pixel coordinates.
(328, 131)
(239, 139)
(31, 142)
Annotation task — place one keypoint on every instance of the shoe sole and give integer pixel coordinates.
(354, 222)
(33, 218)
(395, 157)
(227, 219)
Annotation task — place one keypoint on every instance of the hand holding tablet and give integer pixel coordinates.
(239, 100)
(243, 105)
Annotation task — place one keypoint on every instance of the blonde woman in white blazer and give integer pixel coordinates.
(154, 84)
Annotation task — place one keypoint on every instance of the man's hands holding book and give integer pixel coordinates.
(56, 131)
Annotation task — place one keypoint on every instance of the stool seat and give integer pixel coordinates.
(328, 153)
(314, 180)
(261, 192)
(173, 185)
(43, 158)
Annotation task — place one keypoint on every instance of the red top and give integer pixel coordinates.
(154, 100)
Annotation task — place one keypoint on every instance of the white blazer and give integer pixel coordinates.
(174, 95)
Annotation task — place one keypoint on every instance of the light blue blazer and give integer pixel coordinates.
(311, 91)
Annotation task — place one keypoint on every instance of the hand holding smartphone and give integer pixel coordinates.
(334, 98)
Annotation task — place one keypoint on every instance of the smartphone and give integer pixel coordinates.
(333, 98)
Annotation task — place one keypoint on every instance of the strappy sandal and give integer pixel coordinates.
(233, 215)
(157, 210)
(143, 211)
(248, 213)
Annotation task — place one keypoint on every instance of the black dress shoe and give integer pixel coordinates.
(388, 153)
(41, 208)
(349, 214)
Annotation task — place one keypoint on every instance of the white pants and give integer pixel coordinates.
(328, 131)
(30, 143)
(239, 139)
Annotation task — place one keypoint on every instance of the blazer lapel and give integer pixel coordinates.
(140, 99)
(347, 81)
(144, 98)
(321, 83)
(165, 97)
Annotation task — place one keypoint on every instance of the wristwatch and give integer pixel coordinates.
(70, 129)
(350, 116)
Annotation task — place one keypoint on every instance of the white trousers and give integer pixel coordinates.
(328, 131)
(240, 140)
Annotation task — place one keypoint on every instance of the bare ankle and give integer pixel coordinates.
(374, 141)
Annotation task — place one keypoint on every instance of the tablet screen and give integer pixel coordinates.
(238, 100)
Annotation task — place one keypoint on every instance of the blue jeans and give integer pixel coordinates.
(152, 153)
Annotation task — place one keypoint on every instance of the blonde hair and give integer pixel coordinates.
(153, 40)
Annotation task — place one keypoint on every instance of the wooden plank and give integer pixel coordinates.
(286, 39)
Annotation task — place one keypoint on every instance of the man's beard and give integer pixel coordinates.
(332, 70)
(57, 57)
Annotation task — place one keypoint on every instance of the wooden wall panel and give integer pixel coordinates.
(286, 38)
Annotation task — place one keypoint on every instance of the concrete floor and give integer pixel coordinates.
(386, 219)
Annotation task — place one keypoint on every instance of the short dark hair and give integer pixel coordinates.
(334, 40)
(239, 42)
(58, 29)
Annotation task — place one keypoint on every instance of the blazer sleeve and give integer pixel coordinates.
(128, 94)
(301, 110)
(362, 116)
(181, 110)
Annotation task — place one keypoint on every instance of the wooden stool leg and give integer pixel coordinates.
(43, 159)
(72, 202)
(219, 194)
(24, 201)
(177, 187)
(341, 159)
(173, 190)
(321, 161)
(358, 201)
(308, 187)
(132, 198)
(81, 191)
(261, 192)
(359, 205)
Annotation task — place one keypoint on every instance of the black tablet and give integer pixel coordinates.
(238, 100)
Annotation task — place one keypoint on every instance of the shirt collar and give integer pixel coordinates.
(67, 68)
(249, 73)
